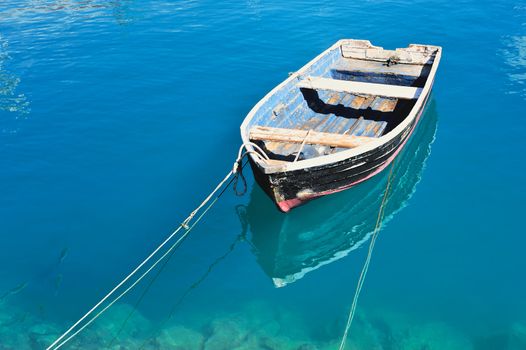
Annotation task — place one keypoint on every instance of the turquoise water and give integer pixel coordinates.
(118, 117)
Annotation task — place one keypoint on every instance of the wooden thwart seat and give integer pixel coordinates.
(265, 133)
(355, 87)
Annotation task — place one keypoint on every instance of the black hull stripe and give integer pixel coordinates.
(332, 176)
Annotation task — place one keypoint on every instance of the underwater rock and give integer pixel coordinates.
(517, 340)
(14, 325)
(253, 326)
(252, 342)
(499, 340)
(430, 336)
(364, 336)
(180, 338)
(385, 329)
(256, 325)
(226, 334)
(6, 317)
(366, 332)
(285, 343)
(42, 334)
(260, 317)
(512, 338)
(20, 329)
(307, 347)
(292, 324)
(111, 325)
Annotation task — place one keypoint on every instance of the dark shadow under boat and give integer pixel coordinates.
(289, 246)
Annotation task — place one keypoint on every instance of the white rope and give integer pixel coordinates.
(192, 214)
(257, 152)
(365, 267)
(58, 346)
(59, 342)
(256, 147)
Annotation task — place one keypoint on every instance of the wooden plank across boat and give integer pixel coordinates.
(339, 120)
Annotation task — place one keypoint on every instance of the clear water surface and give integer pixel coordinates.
(118, 117)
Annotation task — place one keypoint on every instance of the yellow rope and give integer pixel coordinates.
(365, 267)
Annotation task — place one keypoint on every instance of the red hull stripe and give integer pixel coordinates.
(288, 204)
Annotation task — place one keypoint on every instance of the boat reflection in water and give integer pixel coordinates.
(290, 245)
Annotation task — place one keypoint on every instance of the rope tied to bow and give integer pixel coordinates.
(237, 169)
(163, 251)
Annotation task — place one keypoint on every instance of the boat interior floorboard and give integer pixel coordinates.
(343, 112)
(354, 89)
(337, 113)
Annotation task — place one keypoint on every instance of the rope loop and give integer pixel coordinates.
(237, 168)
(165, 249)
(238, 174)
(160, 253)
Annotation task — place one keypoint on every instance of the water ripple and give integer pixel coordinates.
(11, 99)
(514, 55)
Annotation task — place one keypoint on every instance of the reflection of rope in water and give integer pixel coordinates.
(240, 238)
(143, 294)
(60, 341)
(365, 268)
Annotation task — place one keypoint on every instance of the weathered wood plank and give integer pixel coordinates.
(334, 99)
(360, 129)
(351, 65)
(379, 129)
(407, 55)
(309, 137)
(355, 87)
(355, 125)
(384, 104)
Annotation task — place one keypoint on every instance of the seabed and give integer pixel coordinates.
(255, 325)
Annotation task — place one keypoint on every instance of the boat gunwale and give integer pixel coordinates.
(346, 154)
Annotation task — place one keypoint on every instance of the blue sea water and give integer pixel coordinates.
(119, 117)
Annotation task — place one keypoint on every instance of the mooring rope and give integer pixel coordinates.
(69, 334)
(365, 267)
(136, 305)
(240, 238)
(127, 290)
(194, 285)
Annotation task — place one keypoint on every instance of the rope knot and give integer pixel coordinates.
(185, 223)
(236, 166)
(157, 254)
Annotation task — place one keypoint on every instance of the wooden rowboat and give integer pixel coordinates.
(339, 120)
